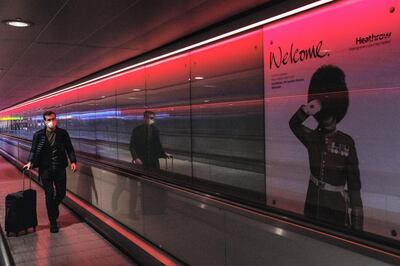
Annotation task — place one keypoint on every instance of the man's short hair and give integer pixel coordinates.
(148, 113)
(48, 113)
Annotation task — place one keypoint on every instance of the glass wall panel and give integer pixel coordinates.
(123, 199)
(130, 102)
(36, 113)
(87, 122)
(106, 120)
(25, 125)
(227, 115)
(86, 183)
(72, 109)
(61, 110)
(168, 96)
(120, 198)
(13, 123)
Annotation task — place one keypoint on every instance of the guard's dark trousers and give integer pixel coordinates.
(55, 185)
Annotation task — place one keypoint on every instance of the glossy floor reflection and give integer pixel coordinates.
(75, 244)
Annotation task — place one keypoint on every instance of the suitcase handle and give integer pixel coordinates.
(23, 179)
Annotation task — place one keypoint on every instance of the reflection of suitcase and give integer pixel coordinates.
(21, 210)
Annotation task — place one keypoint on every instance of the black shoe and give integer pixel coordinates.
(54, 228)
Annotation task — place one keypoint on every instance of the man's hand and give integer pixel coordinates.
(312, 107)
(168, 155)
(137, 161)
(28, 166)
(73, 167)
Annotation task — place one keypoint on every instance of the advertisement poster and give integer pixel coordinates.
(332, 102)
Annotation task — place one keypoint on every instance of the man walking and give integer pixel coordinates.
(50, 148)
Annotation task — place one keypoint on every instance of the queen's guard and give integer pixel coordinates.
(333, 194)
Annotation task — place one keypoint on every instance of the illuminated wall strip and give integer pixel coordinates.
(11, 118)
(190, 47)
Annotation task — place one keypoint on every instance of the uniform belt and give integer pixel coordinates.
(325, 186)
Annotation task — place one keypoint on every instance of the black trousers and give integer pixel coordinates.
(326, 206)
(55, 185)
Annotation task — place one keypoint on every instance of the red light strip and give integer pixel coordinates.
(190, 47)
(234, 104)
(137, 241)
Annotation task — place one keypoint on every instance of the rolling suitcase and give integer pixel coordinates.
(21, 209)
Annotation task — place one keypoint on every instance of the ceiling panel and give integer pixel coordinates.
(79, 19)
(188, 21)
(101, 59)
(33, 63)
(139, 19)
(10, 51)
(75, 56)
(38, 11)
(71, 39)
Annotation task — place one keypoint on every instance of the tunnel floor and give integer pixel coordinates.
(75, 244)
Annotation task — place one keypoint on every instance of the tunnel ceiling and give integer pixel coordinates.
(71, 39)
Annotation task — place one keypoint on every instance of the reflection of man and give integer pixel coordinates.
(332, 153)
(50, 147)
(145, 145)
(87, 184)
(132, 187)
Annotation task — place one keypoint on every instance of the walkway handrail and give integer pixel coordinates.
(6, 258)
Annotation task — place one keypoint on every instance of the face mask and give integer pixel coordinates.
(151, 122)
(51, 124)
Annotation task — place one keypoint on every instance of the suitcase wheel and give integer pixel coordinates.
(26, 231)
(8, 234)
(34, 229)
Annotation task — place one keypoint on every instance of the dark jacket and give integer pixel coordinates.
(146, 146)
(333, 160)
(41, 151)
